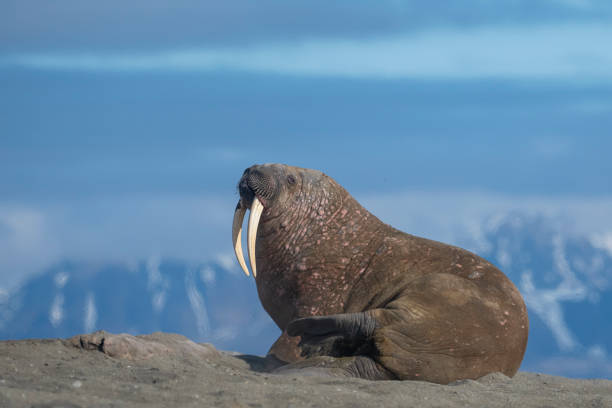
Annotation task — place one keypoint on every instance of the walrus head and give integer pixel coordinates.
(306, 233)
(274, 189)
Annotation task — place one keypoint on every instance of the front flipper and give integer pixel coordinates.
(285, 350)
(339, 335)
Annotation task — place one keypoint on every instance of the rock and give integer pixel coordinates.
(156, 345)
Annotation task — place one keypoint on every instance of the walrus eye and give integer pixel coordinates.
(290, 179)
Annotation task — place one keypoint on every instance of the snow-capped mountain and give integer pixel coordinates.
(205, 302)
(566, 281)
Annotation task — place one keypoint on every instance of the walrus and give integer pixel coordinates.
(354, 296)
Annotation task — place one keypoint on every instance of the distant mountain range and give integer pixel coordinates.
(205, 302)
(566, 281)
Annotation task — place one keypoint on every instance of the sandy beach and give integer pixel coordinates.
(164, 370)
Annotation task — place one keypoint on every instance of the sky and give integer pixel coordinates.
(124, 128)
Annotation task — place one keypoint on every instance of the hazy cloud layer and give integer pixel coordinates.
(113, 25)
(196, 228)
(571, 51)
(454, 216)
(107, 229)
(27, 244)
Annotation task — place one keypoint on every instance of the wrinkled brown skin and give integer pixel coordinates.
(371, 301)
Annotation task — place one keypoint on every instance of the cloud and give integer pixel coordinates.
(139, 24)
(603, 241)
(571, 51)
(26, 243)
(130, 228)
(113, 228)
(452, 215)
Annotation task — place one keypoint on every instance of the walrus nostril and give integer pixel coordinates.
(246, 193)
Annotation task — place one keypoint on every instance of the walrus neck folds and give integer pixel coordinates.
(296, 267)
(290, 239)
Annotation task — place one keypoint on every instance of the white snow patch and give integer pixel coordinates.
(156, 284)
(598, 277)
(198, 307)
(91, 313)
(56, 313)
(6, 311)
(569, 278)
(546, 303)
(207, 275)
(60, 279)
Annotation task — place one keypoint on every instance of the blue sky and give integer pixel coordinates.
(125, 127)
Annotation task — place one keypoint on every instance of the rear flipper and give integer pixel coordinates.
(354, 366)
(336, 345)
(338, 335)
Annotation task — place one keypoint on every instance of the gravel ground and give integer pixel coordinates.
(168, 370)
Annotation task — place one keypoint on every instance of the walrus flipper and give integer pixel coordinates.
(338, 335)
(354, 366)
(336, 345)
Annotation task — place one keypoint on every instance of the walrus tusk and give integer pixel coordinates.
(237, 237)
(256, 210)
